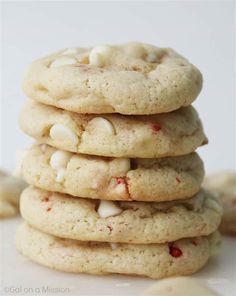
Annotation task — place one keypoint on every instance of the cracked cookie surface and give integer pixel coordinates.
(130, 222)
(155, 260)
(133, 78)
(176, 133)
(113, 178)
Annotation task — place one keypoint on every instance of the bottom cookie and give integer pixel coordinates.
(182, 257)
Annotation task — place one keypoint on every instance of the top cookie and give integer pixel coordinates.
(133, 78)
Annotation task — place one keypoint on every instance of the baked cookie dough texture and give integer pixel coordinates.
(130, 79)
(87, 176)
(155, 261)
(114, 179)
(172, 134)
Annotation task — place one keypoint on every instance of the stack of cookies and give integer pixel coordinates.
(115, 184)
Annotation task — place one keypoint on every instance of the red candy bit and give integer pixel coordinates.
(49, 209)
(178, 179)
(175, 251)
(155, 127)
(120, 180)
(110, 228)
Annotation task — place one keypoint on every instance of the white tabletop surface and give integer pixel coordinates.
(19, 276)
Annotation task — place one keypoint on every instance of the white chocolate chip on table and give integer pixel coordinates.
(179, 286)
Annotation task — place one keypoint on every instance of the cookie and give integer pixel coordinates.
(133, 78)
(10, 190)
(114, 135)
(179, 286)
(223, 184)
(128, 222)
(113, 178)
(156, 260)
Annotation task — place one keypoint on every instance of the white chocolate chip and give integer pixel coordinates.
(108, 208)
(60, 132)
(20, 155)
(60, 159)
(213, 204)
(101, 124)
(99, 54)
(70, 51)
(151, 57)
(114, 246)
(120, 189)
(62, 61)
(60, 175)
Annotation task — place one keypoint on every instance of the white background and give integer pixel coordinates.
(203, 31)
